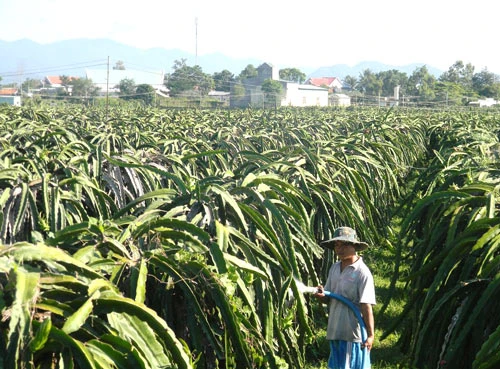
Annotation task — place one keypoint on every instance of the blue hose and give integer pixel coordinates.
(356, 312)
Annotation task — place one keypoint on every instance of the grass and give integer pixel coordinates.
(386, 353)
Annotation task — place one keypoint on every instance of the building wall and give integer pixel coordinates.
(336, 85)
(294, 94)
(254, 97)
(302, 95)
(340, 100)
(268, 71)
(11, 100)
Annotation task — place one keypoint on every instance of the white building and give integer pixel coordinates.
(340, 100)
(303, 95)
(484, 102)
(294, 94)
(10, 100)
(222, 96)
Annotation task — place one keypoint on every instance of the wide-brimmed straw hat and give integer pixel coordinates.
(347, 235)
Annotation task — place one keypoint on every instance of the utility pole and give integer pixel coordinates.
(107, 90)
(196, 41)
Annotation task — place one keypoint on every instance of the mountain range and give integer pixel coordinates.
(24, 59)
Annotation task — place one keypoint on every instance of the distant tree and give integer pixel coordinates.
(450, 93)
(30, 84)
(223, 80)
(119, 65)
(180, 80)
(467, 75)
(186, 78)
(352, 82)
(205, 81)
(369, 83)
(459, 73)
(65, 83)
(390, 79)
(249, 72)
(145, 93)
(84, 89)
(65, 80)
(421, 83)
(486, 84)
(238, 89)
(127, 89)
(292, 74)
(272, 91)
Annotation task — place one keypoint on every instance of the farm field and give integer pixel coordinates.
(138, 237)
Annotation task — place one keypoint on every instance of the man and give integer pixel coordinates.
(349, 277)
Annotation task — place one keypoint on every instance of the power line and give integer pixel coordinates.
(41, 70)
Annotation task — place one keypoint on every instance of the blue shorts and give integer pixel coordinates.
(348, 355)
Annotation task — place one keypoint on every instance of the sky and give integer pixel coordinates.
(285, 33)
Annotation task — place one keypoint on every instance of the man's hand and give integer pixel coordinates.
(368, 343)
(367, 312)
(319, 291)
(320, 294)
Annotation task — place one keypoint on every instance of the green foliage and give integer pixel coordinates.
(83, 90)
(391, 79)
(249, 72)
(292, 74)
(145, 93)
(450, 239)
(459, 73)
(369, 83)
(450, 93)
(456, 87)
(352, 82)
(273, 91)
(74, 312)
(421, 84)
(485, 84)
(223, 80)
(153, 238)
(188, 79)
(30, 84)
(127, 88)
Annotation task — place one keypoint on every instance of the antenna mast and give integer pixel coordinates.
(196, 41)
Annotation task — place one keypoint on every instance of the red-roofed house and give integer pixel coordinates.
(8, 91)
(332, 83)
(55, 81)
(8, 96)
(52, 81)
